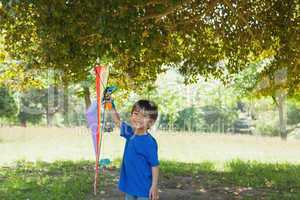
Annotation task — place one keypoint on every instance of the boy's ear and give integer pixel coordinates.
(151, 122)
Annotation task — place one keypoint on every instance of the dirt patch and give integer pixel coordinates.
(183, 188)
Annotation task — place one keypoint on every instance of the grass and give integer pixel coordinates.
(204, 166)
(50, 144)
(279, 176)
(70, 180)
(60, 180)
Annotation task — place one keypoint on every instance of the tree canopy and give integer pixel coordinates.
(139, 38)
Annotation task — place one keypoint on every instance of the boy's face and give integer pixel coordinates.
(140, 120)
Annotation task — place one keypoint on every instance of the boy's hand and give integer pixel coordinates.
(153, 194)
(108, 91)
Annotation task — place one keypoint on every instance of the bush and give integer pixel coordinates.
(190, 119)
(219, 119)
(208, 119)
(8, 106)
(293, 114)
(267, 128)
(164, 122)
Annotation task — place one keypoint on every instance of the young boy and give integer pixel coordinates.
(139, 170)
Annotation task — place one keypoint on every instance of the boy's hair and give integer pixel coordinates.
(149, 107)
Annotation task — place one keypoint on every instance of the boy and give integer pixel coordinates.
(139, 170)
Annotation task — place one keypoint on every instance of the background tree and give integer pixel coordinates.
(30, 109)
(8, 106)
(190, 119)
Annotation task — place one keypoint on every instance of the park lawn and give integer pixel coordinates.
(69, 180)
(75, 143)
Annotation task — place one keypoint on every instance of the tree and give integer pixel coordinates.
(293, 114)
(190, 119)
(58, 37)
(36, 103)
(13, 75)
(168, 93)
(8, 106)
(218, 119)
(138, 37)
(250, 83)
(29, 112)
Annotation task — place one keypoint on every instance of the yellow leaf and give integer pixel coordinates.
(145, 34)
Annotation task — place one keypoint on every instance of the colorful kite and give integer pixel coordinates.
(95, 115)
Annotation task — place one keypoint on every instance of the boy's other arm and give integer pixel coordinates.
(155, 173)
(153, 194)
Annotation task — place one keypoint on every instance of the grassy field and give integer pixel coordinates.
(57, 163)
(68, 180)
(50, 144)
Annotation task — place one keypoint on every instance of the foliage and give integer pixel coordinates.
(58, 37)
(170, 95)
(246, 82)
(208, 119)
(36, 103)
(293, 114)
(167, 93)
(13, 73)
(169, 104)
(267, 129)
(31, 109)
(266, 122)
(138, 37)
(190, 119)
(8, 105)
(218, 119)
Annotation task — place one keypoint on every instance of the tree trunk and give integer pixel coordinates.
(24, 123)
(66, 103)
(52, 104)
(87, 97)
(49, 116)
(282, 115)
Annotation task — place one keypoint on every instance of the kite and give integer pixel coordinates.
(96, 115)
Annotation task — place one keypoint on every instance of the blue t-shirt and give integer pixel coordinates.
(140, 155)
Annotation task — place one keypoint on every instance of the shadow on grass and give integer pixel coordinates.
(69, 180)
(238, 180)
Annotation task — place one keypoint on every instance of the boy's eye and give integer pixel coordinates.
(139, 114)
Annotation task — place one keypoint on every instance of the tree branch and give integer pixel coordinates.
(169, 10)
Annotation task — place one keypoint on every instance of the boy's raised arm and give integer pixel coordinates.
(116, 116)
(108, 99)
